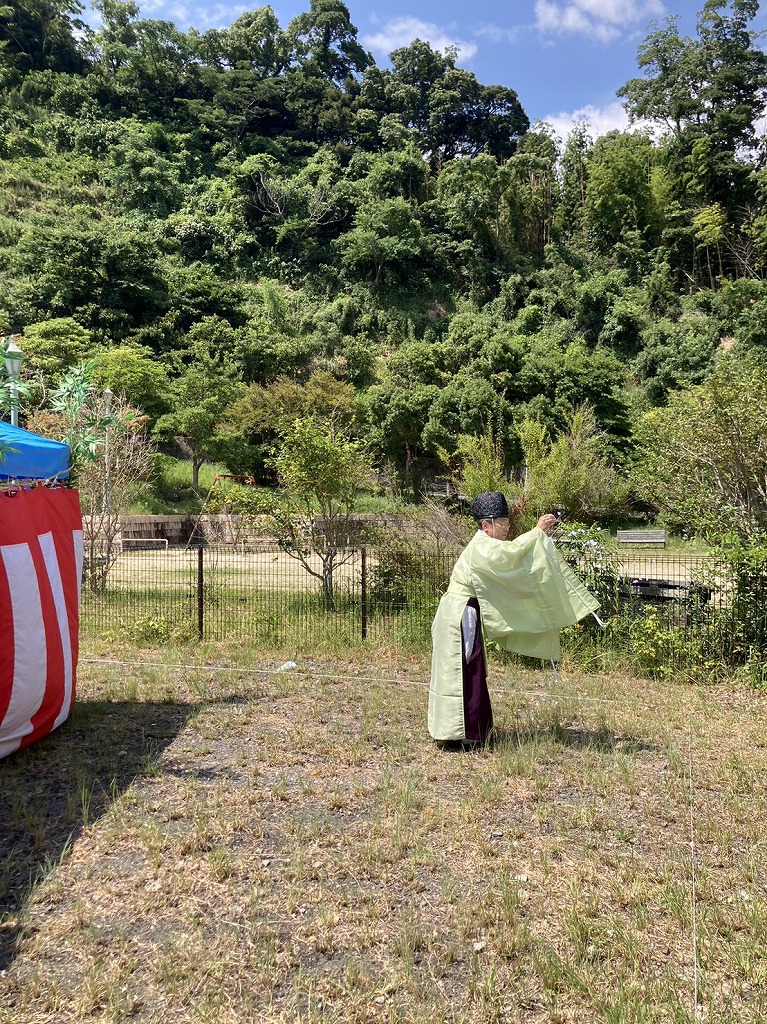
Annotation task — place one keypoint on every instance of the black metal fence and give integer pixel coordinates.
(263, 597)
(660, 609)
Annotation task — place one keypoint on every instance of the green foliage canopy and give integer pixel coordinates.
(702, 459)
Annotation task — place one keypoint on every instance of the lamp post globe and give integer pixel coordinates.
(106, 505)
(14, 357)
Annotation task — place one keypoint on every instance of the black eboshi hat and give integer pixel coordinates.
(489, 505)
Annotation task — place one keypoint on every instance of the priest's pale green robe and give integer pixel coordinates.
(526, 594)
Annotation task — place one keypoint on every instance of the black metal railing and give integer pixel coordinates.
(263, 596)
(657, 605)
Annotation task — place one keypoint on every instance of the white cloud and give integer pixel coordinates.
(177, 13)
(496, 34)
(604, 20)
(621, 12)
(217, 15)
(601, 120)
(402, 31)
(201, 15)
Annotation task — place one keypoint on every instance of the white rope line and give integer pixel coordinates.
(243, 671)
(420, 683)
(693, 888)
(545, 695)
(166, 664)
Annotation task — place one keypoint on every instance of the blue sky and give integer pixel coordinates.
(565, 58)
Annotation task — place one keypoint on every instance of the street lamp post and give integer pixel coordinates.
(107, 502)
(14, 357)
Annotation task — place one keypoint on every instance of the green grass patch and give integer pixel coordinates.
(170, 491)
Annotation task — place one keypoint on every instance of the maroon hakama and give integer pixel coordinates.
(477, 709)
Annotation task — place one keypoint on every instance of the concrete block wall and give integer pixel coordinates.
(226, 531)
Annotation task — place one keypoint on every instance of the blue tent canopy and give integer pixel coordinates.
(31, 457)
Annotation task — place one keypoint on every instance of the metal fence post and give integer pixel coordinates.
(200, 594)
(364, 593)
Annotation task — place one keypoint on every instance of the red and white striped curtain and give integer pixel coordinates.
(41, 561)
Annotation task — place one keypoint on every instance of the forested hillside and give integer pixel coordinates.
(246, 225)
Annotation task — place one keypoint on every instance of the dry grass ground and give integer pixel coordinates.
(233, 845)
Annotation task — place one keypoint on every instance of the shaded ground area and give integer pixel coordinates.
(291, 847)
(50, 792)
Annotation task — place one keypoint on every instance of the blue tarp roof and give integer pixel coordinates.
(33, 457)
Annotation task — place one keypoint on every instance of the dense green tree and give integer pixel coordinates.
(574, 472)
(555, 377)
(467, 404)
(142, 174)
(397, 409)
(239, 92)
(390, 174)
(397, 415)
(207, 382)
(262, 413)
(712, 88)
(254, 41)
(570, 215)
(535, 191)
(53, 346)
(157, 71)
(195, 291)
(327, 61)
(442, 108)
(108, 275)
(500, 362)
(133, 373)
(325, 40)
(386, 247)
(301, 209)
(496, 121)
(702, 459)
(623, 326)
(198, 398)
(477, 197)
(675, 353)
(110, 46)
(595, 297)
(36, 35)
(618, 196)
(211, 224)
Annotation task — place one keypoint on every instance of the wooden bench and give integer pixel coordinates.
(642, 537)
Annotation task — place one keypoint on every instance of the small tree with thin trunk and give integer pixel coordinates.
(199, 397)
(111, 457)
(320, 470)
